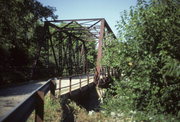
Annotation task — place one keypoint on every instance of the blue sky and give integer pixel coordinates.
(81, 9)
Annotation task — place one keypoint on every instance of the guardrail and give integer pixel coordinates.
(36, 101)
(75, 84)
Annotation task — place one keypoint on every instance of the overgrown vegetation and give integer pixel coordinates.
(52, 110)
(73, 112)
(25, 47)
(20, 32)
(146, 57)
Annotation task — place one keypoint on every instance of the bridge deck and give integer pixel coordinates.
(12, 96)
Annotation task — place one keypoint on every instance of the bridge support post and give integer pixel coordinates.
(88, 78)
(99, 55)
(52, 89)
(109, 72)
(60, 86)
(70, 82)
(80, 81)
(105, 71)
(102, 72)
(39, 110)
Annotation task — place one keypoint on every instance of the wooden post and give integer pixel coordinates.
(80, 81)
(108, 70)
(112, 71)
(60, 86)
(52, 89)
(70, 80)
(115, 72)
(39, 110)
(103, 72)
(88, 78)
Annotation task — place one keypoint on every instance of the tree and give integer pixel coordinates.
(147, 53)
(18, 22)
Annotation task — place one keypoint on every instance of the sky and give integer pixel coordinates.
(84, 9)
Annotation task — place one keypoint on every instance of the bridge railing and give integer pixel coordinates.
(78, 85)
(36, 101)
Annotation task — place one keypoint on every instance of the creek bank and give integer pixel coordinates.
(84, 104)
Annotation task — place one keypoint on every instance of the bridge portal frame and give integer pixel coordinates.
(96, 28)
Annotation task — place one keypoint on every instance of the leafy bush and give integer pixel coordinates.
(146, 56)
(19, 39)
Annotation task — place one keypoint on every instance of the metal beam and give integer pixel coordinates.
(59, 29)
(109, 29)
(94, 24)
(76, 20)
(99, 55)
(89, 30)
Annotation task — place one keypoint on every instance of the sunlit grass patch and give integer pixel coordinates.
(52, 110)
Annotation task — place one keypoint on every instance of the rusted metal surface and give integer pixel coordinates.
(99, 56)
(93, 29)
(39, 109)
(83, 30)
(76, 20)
(22, 111)
(33, 102)
(36, 100)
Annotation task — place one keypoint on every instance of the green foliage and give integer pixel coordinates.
(75, 55)
(52, 110)
(19, 20)
(147, 58)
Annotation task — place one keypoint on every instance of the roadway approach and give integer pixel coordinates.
(10, 97)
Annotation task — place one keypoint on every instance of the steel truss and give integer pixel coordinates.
(75, 31)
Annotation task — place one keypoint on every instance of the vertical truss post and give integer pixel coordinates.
(60, 55)
(85, 58)
(54, 54)
(93, 28)
(70, 56)
(46, 47)
(99, 55)
(77, 57)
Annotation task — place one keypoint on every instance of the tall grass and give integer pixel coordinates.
(52, 110)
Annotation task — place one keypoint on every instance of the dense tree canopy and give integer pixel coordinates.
(147, 59)
(19, 22)
(29, 49)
